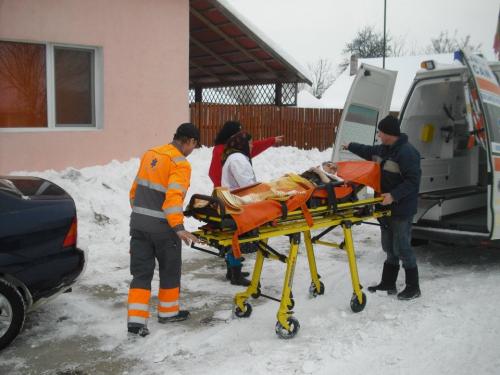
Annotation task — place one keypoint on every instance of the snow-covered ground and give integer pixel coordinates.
(454, 328)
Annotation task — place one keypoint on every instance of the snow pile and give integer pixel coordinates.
(454, 328)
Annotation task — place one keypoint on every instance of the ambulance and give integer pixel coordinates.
(452, 116)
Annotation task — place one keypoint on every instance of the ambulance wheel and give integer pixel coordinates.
(355, 305)
(313, 292)
(243, 314)
(288, 334)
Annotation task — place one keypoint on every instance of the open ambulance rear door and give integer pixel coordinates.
(368, 102)
(484, 110)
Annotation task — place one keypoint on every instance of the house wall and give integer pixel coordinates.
(145, 46)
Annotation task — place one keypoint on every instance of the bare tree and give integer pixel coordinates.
(446, 43)
(322, 76)
(369, 43)
(398, 47)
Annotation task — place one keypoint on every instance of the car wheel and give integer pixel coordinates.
(12, 313)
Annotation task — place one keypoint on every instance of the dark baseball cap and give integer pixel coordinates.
(188, 130)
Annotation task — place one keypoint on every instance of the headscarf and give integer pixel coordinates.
(240, 142)
(229, 129)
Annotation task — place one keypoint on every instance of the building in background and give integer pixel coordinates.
(83, 82)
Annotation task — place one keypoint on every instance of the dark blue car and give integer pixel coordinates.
(39, 257)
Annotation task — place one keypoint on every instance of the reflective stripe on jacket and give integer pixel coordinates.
(158, 192)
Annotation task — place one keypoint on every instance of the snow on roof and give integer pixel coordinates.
(406, 66)
(287, 59)
(307, 100)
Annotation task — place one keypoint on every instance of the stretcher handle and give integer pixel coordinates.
(218, 203)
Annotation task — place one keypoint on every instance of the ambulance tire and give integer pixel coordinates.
(288, 334)
(243, 314)
(12, 313)
(355, 305)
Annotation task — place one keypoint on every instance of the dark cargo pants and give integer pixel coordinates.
(145, 248)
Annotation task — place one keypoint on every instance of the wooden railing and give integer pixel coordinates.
(304, 128)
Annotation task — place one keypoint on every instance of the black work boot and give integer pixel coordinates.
(138, 330)
(228, 272)
(182, 315)
(389, 277)
(412, 289)
(237, 277)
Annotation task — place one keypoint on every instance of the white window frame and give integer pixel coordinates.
(97, 90)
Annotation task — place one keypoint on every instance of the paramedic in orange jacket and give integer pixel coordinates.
(156, 229)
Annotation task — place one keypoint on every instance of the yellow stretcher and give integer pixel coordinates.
(218, 233)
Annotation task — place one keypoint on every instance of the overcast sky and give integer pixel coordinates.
(311, 29)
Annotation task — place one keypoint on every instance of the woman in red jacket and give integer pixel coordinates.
(229, 129)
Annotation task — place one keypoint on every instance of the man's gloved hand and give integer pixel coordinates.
(187, 237)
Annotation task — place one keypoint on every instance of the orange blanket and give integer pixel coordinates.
(255, 214)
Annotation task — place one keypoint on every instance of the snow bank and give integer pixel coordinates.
(453, 329)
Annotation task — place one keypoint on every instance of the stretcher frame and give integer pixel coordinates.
(294, 225)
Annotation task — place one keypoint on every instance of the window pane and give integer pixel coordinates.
(361, 115)
(73, 86)
(359, 126)
(23, 87)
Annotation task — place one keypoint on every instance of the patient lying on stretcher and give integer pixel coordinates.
(322, 174)
(279, 189)
(354, 174)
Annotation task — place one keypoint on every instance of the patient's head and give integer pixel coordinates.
(329, 167)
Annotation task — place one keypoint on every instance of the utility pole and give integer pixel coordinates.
(383, 57)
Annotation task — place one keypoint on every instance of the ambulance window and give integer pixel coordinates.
(361, 115)
(492, 113)
(359, 125)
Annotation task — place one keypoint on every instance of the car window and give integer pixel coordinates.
(8, 186)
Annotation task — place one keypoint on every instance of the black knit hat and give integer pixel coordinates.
(187, 130)
(389, 125)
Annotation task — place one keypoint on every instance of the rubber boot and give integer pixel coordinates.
(389, 277)
(412, 289)
(228, 271)
(237, 278)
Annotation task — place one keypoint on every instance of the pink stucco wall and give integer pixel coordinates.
(146, 56)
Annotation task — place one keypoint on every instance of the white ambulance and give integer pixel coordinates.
(452, 116)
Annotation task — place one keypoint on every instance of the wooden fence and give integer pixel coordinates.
(304, 128)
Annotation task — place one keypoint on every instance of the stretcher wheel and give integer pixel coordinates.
(313, 292)
(243, 314)
(355, 305)
(288, 334)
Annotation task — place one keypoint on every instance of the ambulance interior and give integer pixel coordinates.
(453, 189)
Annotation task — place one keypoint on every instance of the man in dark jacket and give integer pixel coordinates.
(400, 181)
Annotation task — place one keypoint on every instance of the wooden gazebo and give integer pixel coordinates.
(229, 58)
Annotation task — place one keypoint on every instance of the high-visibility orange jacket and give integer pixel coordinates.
(158, 192)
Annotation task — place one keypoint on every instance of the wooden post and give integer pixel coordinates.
(198, 97)
(277, 94)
